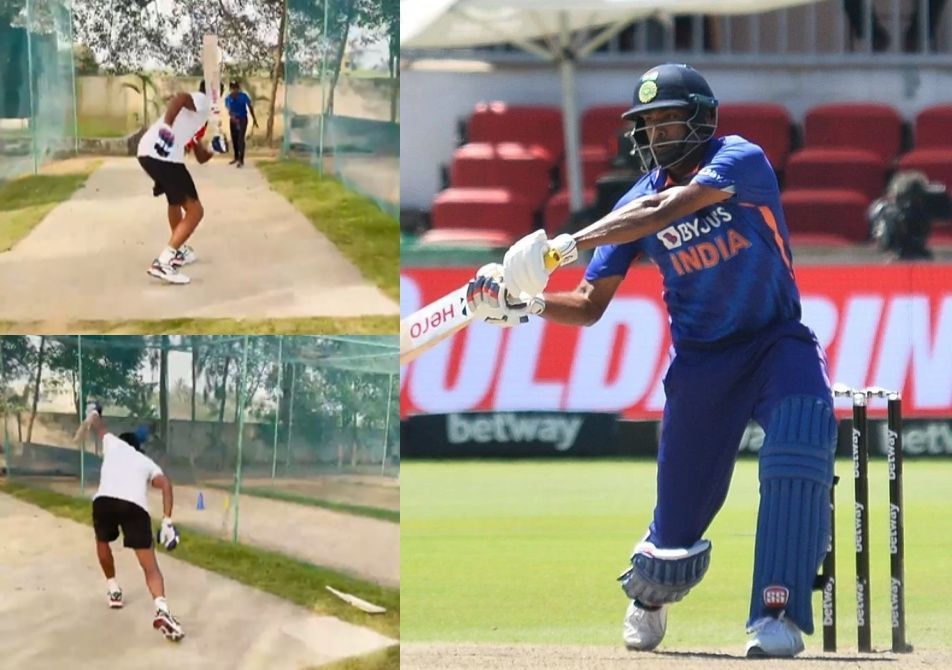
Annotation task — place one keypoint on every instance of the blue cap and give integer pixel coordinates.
(142, 434)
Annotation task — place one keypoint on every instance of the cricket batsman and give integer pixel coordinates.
(122, 502)
(161, 154)
(708, 214)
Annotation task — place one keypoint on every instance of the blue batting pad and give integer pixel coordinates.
(793, 524)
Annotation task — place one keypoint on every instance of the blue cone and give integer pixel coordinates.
(201, 501)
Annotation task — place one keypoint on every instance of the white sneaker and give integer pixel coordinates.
(167, 273)
(774, 638)
(168, 625)
(644, 629)
(184, 256)
(115, 599)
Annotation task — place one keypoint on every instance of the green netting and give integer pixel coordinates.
(293, 417)
(37, 85)
(342, 94)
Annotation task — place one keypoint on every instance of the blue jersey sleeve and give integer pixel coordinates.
(615, 259)
(740, 167)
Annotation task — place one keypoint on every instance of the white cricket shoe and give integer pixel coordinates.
(167, 273)
(644, 629)
(774, 638)
(184, 256)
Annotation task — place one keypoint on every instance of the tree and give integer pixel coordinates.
(127, 35)
(85, 60)
(36, 389)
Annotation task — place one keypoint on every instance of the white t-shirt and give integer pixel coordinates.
(187, 123)
(126, 473)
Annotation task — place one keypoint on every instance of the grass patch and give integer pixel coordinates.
(296, 581)
(359, 325)
(366, 236)
(297, 498)
(524, 526)
(102, 126)
(24, 202)
(385, 659)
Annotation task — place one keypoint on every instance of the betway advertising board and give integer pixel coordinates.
(881, 325)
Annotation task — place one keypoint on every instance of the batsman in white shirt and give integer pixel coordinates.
(161, 154)
(122, 502)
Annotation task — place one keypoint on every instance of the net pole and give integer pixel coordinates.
(386, 434)
(324, 105)
(3, 399)
(287, 458)
(277, 413)
(241, 429)
(29, 72)
(72, 73)
(82, 441)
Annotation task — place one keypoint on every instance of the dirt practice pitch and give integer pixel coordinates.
(259, 258)
(53, 612)
(557, 657)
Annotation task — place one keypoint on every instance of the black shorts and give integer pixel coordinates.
(109, 514)
(171, 179)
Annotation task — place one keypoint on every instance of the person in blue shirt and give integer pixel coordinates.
(708, 214)
(239, 105)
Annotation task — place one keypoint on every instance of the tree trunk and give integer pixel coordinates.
(223, 391)
(339, 57)
(36, 389)
(278, 73)
(394, 80)
(194, 373)
(221, 412)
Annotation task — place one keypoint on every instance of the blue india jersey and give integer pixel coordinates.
(727, 269)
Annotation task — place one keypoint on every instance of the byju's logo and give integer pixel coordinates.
(669, 237)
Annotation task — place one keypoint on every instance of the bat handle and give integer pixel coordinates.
(552, 259)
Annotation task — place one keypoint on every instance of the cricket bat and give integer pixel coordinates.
(429, 326)
(212, 64)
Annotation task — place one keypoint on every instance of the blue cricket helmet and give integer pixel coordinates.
(672, 85)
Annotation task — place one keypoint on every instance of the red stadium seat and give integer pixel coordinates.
(523, 169)
(831, 216)
(935, 163)
(934, 127)
(601, 126)
(870, 126)
(483, 209)
(767, 125)
(496, 122)
(595, 162)
(556, 211)
(837, 169)
(467, 237)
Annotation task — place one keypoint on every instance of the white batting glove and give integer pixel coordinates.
(490, 300)
(524, 266)
(168, 535)
(93, 408)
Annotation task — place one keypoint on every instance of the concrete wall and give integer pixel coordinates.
(436, 100)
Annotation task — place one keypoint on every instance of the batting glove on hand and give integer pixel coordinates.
(166, 141)
(167, 536)
(524, 267)
(93, 408)
(489, 299)
(220, 144)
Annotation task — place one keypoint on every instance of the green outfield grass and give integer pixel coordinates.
(366, 236)
(508, 552)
